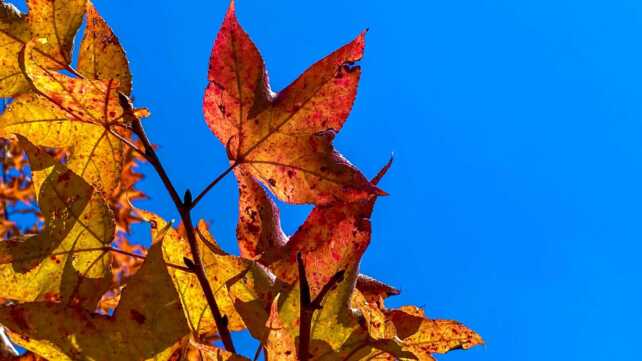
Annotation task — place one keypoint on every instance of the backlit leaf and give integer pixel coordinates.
(249, 281)
(54, 22)
(423, 337)
(67, 260)
(285, 140)
(279, 345)
(331, 239)
(57, 21)
(14, 33)
(74, 114)
(194, 351)
(259, 225)
(101, 55)
(147, 325)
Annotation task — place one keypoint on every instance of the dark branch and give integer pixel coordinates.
(308, 306)
(184, 207)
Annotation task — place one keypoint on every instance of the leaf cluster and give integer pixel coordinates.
(74, 288)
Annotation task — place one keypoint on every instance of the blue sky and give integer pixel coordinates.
(515, 195)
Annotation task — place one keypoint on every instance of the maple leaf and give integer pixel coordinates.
(423, 337)
(279, 345)
(285, 140)
(260, 236)
(324, 310)
(76, 114)
(147, 325)
(226, 274)
(330, 240)
(67, 261)
(375, 291)
(419, 336)
(259, 226)
(195, 351)
(54, 21)
(101, 56)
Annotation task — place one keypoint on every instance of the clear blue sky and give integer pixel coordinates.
(516, 194)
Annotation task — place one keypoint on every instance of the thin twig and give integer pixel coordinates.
(213, 183)
(126, 141)
(184, 207)
(308, 306)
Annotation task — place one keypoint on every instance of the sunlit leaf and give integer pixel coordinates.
(101, 55)
(279, 345)
(71, 113)
(147, 325)
(249, 281)
(374, 290)
(423, 337)
(259, 225)
(54, 22)
(194, 351)
(67, 261)
(285, 139)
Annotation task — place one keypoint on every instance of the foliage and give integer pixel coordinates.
(74, 288)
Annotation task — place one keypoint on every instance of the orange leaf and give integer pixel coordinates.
(280, 345)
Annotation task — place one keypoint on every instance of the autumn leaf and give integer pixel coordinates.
(147, 325)
(67, 261)
(260, 236)
(301, 297)
(279, 345)
(76, 114)
(285, 139)
(330, 240)
(375, 291)
(423, 337)
(54, 21)
(195, 351)
(249, 282)
(417, 335)
(259, 226)
(101, 56)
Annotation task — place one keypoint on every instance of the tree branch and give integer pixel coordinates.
(184, 208)
(308, 306)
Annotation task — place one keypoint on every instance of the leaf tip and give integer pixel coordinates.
(231, 10)
(382, 172)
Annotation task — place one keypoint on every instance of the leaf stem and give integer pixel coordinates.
(308, 306)
(213, 183)
(184, 207)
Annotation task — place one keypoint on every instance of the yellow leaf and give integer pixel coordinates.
(242, 276)
(74, 114)
(101, 55)
(67, 261)
(378, 327)
(407, 334)
(336, 331)
(54, 22)
(14, 33)
(57, 21)
(147, 325)
(195, 351)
